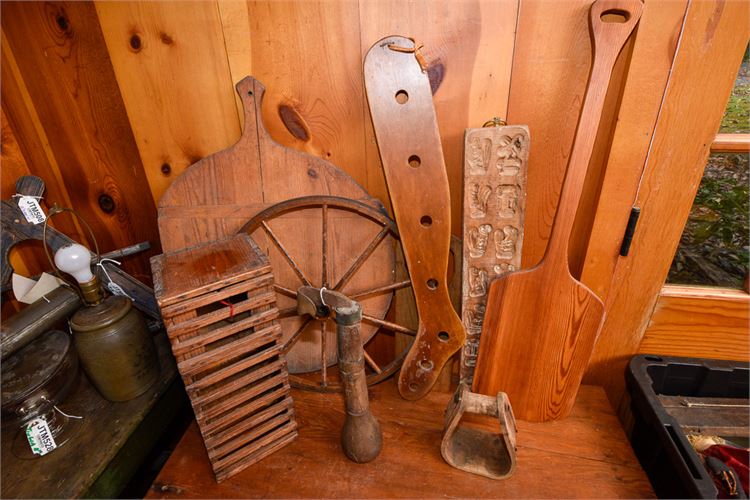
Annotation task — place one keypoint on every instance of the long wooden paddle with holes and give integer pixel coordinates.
(403, 115)
(541, 324)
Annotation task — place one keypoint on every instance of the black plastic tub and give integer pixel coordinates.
(672, 466)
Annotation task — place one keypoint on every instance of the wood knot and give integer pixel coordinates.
(61, 20)
(107, 203)
(293, 122)
(312, 173)
(135, 42)
(166, 168)
(165, 39)
(436, 74)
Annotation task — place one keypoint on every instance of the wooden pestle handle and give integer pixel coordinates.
(611, 22)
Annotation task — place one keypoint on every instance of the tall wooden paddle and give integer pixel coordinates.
(541, 324)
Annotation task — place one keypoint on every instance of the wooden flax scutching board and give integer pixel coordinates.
(220, 311)
(495, 173)
(403, 117)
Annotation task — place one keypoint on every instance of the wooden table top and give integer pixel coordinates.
(584, 455)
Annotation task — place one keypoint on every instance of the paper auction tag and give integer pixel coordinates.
(40, 437)
(29, 291)
(31, 209)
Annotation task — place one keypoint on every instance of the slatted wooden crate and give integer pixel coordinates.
(219, 308)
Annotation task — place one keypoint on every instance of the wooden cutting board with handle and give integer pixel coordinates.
(403, 116)
(541, 324)
(216, 196)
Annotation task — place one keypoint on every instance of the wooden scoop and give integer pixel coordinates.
(541, 324)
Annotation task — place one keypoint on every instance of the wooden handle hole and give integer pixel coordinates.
(415, 161)
(426, 365)
(443, 336)
(615, 16)
(432, 284)
(426, 221)
(402, 97)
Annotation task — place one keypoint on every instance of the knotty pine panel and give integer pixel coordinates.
(172, 69)
(33, 148)
(65, 66)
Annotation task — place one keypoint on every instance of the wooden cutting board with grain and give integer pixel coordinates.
(216, 196)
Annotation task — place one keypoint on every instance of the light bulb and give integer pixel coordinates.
(75, 259)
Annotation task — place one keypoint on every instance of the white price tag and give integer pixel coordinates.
(31, 209)
(40, 437)
(116, 289)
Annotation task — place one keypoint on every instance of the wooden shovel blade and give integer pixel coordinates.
(535, 354)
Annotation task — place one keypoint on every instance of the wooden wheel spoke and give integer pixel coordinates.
(323, 357)
(289, 312)
(372, 363)
(362, 258)
(289, 343)
(389, 325)
(322, 379)
(286, 255)
(324, 276)
(285, 291)
(382, 289)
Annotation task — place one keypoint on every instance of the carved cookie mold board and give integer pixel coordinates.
(495, 172)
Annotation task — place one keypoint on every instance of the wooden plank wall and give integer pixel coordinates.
(110, 101)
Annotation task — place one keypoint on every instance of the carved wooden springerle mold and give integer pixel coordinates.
(495, 165)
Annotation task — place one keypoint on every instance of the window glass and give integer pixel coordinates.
(714, 246)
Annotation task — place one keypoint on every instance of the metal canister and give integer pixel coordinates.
(115, 347)
(38, 376)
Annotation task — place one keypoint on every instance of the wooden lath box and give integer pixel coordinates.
(219, 309)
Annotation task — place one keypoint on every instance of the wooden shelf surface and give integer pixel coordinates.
(100, 458)
(585, 455)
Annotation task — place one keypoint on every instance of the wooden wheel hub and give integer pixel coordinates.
(356, 257)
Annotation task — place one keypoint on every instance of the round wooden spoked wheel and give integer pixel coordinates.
(333, 226)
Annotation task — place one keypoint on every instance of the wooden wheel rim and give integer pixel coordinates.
(388, 228)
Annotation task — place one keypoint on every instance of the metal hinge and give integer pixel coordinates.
(627, 240)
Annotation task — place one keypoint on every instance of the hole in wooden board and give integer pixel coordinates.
(443, 336)
(413, 387)
(415, 161)
(426, 221)
(615, 16)
(432, 284)
(426, 364)
(402, 96)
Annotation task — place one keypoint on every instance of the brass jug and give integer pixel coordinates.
(116, 349)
